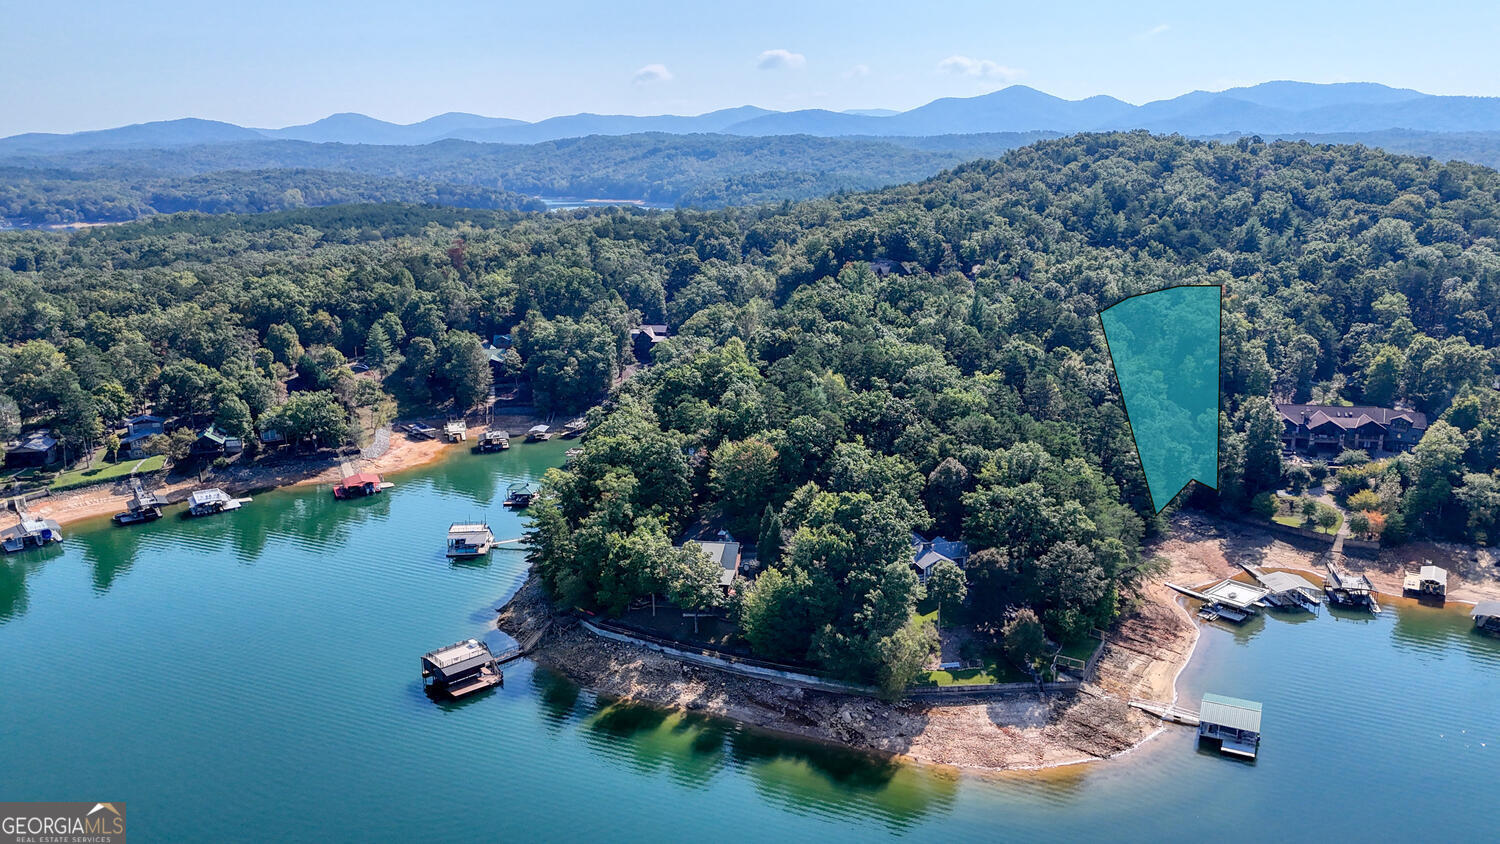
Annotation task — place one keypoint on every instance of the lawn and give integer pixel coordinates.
(106, 472)
(992, 672)
(1298, 521)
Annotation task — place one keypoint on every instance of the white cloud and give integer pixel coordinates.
(979, 68)
(1153, 32)
(652, 73)
(780, 59)
(859, 71)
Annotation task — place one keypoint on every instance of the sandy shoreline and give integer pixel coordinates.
(403, 455)
(1144, 658)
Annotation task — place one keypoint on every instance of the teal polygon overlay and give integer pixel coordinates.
(1165, 347)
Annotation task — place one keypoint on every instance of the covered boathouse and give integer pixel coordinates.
(359, 485)
(1231, 721)
(1427, 582)
(460, 669)
(30, 533)
(1486, 615)
(469, 539)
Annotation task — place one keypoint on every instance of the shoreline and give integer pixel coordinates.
(403, 455)
(981, 735)
(1145, 657)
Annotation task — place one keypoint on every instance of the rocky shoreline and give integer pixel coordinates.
(1013, 732)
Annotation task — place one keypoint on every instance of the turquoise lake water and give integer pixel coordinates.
(254, 676)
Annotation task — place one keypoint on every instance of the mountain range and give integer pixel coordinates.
(1267, 108)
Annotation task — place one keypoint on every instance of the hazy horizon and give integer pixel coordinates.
(278, 64)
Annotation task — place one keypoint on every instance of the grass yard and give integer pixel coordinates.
(992, 672)
(1298, 522)
(106, 472)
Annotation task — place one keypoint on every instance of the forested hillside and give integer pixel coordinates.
(823, 406)
(704, 171)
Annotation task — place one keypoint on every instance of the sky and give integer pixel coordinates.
(271, 63)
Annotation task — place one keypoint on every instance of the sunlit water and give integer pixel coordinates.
(254, 676)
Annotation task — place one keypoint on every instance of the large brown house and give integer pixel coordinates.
(1314, 428)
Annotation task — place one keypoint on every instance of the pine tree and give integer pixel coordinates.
(768, 549)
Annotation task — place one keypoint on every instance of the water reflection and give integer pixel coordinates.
(14, 569)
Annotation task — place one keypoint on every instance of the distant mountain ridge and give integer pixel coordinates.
(1268, 108)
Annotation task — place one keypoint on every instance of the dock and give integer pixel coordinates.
(469, 539)
(1429, 582)
(1286, 590)
(1230, 600)
(456, 431)
(1348, 590)
(1168, 712)
(460, 669)
(1486, 615)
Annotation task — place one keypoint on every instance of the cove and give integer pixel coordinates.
(254, 676)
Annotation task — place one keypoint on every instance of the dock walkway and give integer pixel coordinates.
(1167, 712)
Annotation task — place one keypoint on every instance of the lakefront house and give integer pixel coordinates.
(1326, 429)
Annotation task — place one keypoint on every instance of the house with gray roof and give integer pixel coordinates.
(1328, 429)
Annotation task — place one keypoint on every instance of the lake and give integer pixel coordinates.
(563, 203)
(255, 676)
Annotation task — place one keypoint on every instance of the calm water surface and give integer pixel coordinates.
(254, 676)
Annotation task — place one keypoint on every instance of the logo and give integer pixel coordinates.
(62, 823)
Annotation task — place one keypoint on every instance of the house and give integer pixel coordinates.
(645, 338)
(927, 553)
(459, 669)
(1314, 428)
(272, 438)
(38, 448)
(145, 424)
(1232, 722)
(210, 443)
(727, 556)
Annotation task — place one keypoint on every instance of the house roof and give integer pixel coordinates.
(143, 418)
(36, 441)
(1348, 418)
(1486, 609)
(212, 433)
(930, 558)
(1232, 712)
(726, 554)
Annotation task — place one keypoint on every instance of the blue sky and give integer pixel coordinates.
(275, 63)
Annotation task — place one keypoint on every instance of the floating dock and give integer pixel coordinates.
(30, 533)
(1233, 722)
(491, 441)
(469, 539)
(144, 506)
(1486, 615)
(1430, 582)
(456, 431)
(208, 502)
(460, 669)
(539, 434)
(1349, 590)
(1230, 600)
(360, 485)
(1286, 590)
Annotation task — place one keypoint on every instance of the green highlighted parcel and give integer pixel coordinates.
(1165, 347)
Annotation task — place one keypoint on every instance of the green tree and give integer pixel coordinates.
(946, 585)
(768, 548)
(1024, 639)
(465, 369)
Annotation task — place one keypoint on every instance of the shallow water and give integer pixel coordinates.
(255, 676)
